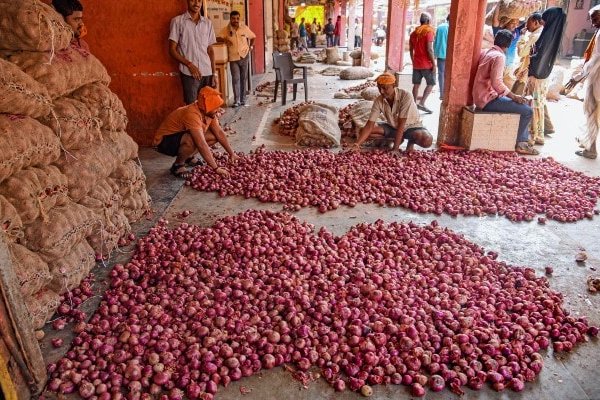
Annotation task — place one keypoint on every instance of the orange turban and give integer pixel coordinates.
(386, 79)
(209, 99)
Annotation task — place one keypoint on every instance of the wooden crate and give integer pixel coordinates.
(490, 131)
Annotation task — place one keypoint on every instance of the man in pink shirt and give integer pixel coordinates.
(491, 94)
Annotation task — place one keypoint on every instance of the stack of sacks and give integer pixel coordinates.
(67, 193)
(282, 42)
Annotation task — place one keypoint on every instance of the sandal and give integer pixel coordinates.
(527, 150)
(586, 154)
(194, 162)
(424, 109)
(180, 171)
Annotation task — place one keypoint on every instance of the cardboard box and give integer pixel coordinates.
(489, 131)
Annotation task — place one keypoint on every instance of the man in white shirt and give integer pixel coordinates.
(190, 41)
(402, 120)
(357, 33)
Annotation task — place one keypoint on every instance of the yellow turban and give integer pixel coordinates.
(386, 79)
(209, 99)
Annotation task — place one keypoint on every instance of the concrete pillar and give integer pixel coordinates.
(351, 23)
(367, 33)
(396, 28)
(464, 45)
(256, 22)
(343, 10)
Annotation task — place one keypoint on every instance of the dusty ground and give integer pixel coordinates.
(572, 376)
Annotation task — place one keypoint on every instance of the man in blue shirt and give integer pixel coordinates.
(439, 50)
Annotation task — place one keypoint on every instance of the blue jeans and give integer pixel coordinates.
(506, 105)
(441, 68)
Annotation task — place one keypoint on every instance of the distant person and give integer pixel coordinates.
(440, 45)
(357, 33)
(491, 94)
(380, 36)
(303, 35)
(423, 60)
(294, 35)
(402, 121)
(529, 36)
(510, 24)
(314, 29)
(337, 31)
(591, 103)
(190, 43)
(329, 32)
(72, 12)
(308, 34)
(240, 41)
(192, 129)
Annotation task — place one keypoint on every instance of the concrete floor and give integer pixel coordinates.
(573, 376)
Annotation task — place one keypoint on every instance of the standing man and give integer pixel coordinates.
(294, 34)
(423, 60)
(72, 12)
(530, 34)
(357, 33)
(190, 41)
(491, 94)
(337, 31)
(440, 45)
(303, 35)
(591, 104)
(240, 40)
(329, 30)
(313, 33)
(402, 121)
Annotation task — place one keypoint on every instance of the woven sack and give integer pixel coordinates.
(360, 113)
(136, 204)
(331, 71)
(12, 226)
(63, 72)
(103, 104)
(67, 272)
(513, 9)
(332, 55)
(355, 73)
(356, 53)
(318, 126)
(370, 93)
(20, 93)
(73, 123)
(66, 226)
(32, 25)
(34, 191)
(32, 272)
(25, 142)
(105, 238)
(41, 306)
(129, 177)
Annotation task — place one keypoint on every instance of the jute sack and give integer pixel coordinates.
(318, 126)
(73, 123)
(136, 204)
(32, 25)
(513, 9)
(20, 93)
(66, 226)
(121, 147)
(370, 93)
(360, 113)
(34, 191)
(355, 73)
(105, 238)
(12, 226)
(41, 306)
(332, 55)
(32, 272)
(66, 71)
(104, 199)
(67, 272)
(103, 104)
(129, 177)
(25, 142)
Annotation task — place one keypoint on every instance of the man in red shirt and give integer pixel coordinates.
(423, 60)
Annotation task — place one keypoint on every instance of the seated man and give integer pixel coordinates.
(191, 129)
(72, 12)
(402, 121)
(491, 94)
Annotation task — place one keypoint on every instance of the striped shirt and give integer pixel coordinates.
(192, 41)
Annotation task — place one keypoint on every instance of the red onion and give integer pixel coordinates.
(417, 390)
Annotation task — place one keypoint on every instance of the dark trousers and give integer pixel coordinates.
(313, 40)
(329, 40)
(357, 41)
(192, 86)
(441, 68)
(239, 72)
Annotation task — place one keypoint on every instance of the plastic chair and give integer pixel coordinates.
(284, 73)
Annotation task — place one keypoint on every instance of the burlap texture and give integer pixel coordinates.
(355, 73)
(103, 104)
(32, 25)
(136, 204)
(34, 191)
(20, 93)
(25, 142)
(73, 123)
(104, 239)
(41, 306)
(11, 223)
(67, 272)
(32, 272)
(129, 177)
(64, 72)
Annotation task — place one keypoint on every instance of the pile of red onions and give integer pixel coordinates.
(345, 121)
(468, 183)
(386, 303)
(288, 121)
(359, 88)
(70, 302)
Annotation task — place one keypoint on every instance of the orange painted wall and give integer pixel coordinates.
(131, 40)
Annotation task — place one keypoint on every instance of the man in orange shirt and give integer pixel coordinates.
(423, 60)
(240, 40)
(191, 129)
